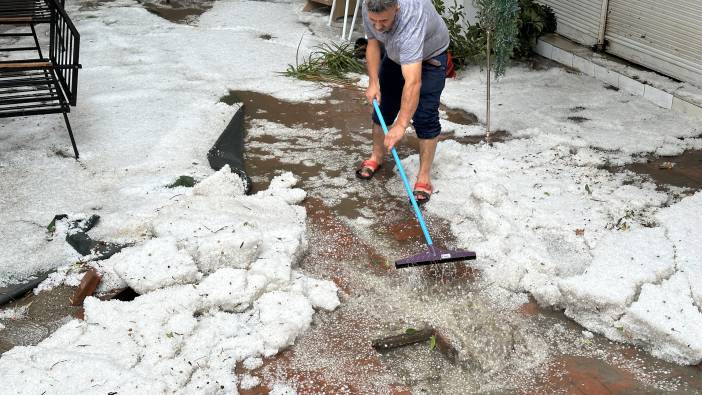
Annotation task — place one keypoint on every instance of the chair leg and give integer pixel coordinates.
(70, 133)
(353, 21)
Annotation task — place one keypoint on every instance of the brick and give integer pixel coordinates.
(631, 85)
(685, 107)
(544, 49)
(583, 65)
(562, 57)
(658, 97)
(607, 76)
(87, 286)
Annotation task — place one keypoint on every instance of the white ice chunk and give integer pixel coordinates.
(622, 262)
(222, 183)
(666, 319)
(237, 249)
(155, 264)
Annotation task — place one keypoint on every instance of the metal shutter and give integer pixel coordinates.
(664, 35)
(578, 20)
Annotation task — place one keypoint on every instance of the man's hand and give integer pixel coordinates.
(395, 134)
(373, 92)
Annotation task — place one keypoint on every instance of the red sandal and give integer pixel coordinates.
(370, 167)
(422, 192)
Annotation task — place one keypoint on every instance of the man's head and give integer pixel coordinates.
(382, 13)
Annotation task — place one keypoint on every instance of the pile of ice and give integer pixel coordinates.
(602, 246)
(619, 255)
(218, 288)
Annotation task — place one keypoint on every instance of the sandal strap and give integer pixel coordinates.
(370, 164)
(424, 195)
(421, 185)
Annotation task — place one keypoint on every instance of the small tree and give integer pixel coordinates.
(500, 19)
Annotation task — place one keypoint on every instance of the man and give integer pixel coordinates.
(407, 81)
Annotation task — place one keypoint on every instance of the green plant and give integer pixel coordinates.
(534, 21)
(327, 62)
(468, 41)
(467, 44)
(500, 18)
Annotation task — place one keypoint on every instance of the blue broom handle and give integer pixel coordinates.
(417, 212)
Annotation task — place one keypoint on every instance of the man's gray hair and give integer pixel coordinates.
(379, 5)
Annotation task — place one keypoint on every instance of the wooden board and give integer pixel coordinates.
(25, 65)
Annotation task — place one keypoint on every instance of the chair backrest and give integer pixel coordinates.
(64, 50)
(20, 12)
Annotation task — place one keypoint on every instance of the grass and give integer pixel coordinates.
(328, 62)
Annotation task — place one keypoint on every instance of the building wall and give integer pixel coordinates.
(663, 35)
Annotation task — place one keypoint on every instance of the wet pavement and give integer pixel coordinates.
(36, 317)
(356, 230)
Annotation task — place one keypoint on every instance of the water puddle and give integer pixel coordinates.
(683, 171)
(42, 315)
(459, 116)
(178, 11)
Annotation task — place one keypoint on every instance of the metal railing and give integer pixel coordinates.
(64, 51)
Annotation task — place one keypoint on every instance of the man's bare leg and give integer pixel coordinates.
(427, 149)
(378, 153)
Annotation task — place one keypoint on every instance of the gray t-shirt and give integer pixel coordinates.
(418, 32)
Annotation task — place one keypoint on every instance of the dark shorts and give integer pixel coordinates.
(426, 118)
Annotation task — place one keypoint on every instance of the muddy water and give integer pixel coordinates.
(43, 314)
(356, 230)
(178, 11)
(681, 171)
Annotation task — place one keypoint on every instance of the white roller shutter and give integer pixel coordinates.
(578, 20)
(664, 35)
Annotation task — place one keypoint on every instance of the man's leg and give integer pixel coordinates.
(378, 153)
(426, 122)
(427, 149)
(391, 83)
(378, 148)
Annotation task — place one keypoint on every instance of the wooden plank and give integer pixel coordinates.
(25, 65)
(403, 339)
(16, 19)
(312, 5)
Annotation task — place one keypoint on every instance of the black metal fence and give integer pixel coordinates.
(64, 51)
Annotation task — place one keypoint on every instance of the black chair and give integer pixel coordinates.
(36, 85)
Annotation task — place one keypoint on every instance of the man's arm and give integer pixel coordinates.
(373, 68)
(373, 59)
(412, 74)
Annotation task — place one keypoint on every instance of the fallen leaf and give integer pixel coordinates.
(579, 232)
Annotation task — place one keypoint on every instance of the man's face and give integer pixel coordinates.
(382, 21)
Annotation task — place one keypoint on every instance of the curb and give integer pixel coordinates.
(579, 57)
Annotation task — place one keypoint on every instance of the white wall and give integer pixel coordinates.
(470, 11)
